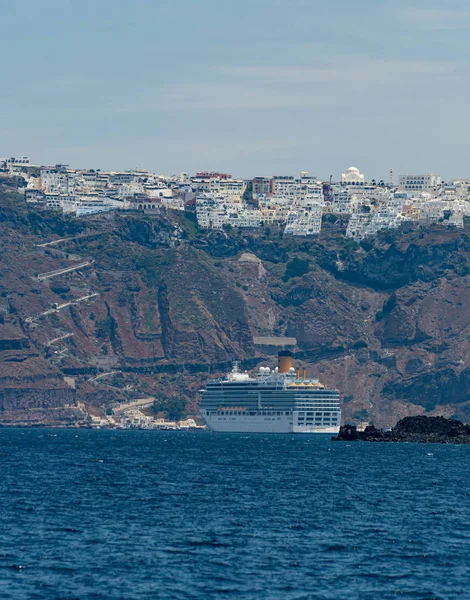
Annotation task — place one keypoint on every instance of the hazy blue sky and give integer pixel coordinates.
(247, 86)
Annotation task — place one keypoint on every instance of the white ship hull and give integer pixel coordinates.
(262, 423)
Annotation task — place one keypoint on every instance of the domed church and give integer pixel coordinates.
(353, 177)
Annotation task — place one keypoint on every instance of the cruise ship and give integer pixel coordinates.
(273, 401)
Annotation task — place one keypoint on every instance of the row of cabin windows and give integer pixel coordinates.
(250, 413)
(321, 410)
(317, 414)
(266, 388)
(301, 402)
(318, 421)
(272, 398)
(335, 418)
(298, 391)
(273, 405)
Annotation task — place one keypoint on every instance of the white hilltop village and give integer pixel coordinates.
(220, 201)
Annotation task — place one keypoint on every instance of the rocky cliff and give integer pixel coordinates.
(159, 306)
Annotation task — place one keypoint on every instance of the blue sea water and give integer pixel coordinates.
(198, 515)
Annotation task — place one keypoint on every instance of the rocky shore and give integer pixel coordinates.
(421, 429)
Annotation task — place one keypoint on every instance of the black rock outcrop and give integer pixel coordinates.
(420, 429)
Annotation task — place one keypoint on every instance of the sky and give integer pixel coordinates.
(248, 87)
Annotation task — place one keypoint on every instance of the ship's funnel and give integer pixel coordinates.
(285, 362)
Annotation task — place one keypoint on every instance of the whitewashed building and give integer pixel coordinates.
(304, 220)
(357, 225)
(419, 183)
(341, 200)
(14, 165)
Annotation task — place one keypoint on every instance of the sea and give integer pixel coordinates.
(99, 514)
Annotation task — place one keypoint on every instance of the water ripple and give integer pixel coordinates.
(136, 515)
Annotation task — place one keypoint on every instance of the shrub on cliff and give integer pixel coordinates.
(174, 407)
(296, 268)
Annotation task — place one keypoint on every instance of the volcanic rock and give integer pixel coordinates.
(422, 429)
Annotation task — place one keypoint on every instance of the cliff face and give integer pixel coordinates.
(32, 392)
(160, 306)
